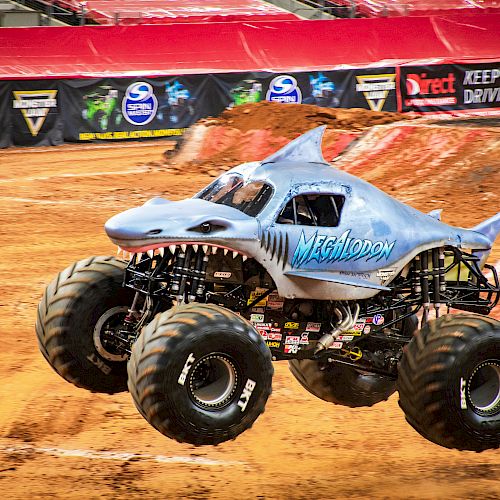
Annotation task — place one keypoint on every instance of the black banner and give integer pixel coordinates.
(5, 122)
(370, 89)
(447, 87)
(132, 109)
(50, 111)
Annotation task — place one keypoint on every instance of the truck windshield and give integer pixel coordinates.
(231, 190)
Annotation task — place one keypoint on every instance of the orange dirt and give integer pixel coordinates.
(62, 442)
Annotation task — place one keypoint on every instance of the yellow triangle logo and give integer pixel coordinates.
(34, 106)
(376, 88)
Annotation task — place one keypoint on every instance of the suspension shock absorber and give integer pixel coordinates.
(199, 272)
(417, 289)
(186, 266)
(436, 285)
(424, 283)
(442, 278)
(175, 282)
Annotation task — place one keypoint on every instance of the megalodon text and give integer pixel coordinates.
(323, 248)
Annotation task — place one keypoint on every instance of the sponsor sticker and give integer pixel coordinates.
(256, 318)
(275, 302)
(291, 349)
(292, 340)
(274, 336)
(345, 338)
(222, 274)
(313, 327)
(304, 338)
(357, 329)
(336, 345)
(378, 319)
(273, 345)
(385, 274)
(290, 325)
(256, 294)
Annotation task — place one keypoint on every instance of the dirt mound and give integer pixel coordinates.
(291, 120)
(253, 131)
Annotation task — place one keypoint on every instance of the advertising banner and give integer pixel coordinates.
(448, 88)
(5, 125)
(49, 111)
(373, 89)
(113, 109)
(34, 113)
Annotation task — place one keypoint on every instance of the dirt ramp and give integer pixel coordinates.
(455, 168)
(254, 131)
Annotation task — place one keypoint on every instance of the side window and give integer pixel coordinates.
(313, 210)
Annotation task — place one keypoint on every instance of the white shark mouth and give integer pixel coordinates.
(135, 255)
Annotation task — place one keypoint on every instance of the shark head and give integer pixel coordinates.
(160, 223)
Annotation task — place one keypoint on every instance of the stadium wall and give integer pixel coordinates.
(132, 82)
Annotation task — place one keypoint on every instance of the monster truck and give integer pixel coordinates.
(289, 259)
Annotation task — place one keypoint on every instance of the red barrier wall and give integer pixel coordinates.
(277, 46)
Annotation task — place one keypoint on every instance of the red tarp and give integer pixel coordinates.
(280, 46)
(167, 11)
(377, 8)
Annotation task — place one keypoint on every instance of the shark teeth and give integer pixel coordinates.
(206, 249)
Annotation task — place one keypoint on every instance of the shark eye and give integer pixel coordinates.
(207, 227)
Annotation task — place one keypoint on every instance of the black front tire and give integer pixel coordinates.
(76, 307)
(200, 374)
(341, 384)
(449, 382)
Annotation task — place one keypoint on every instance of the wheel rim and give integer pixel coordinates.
(104, 330)
(484, 388)
(213, 381)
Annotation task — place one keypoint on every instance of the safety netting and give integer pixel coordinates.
(178, 11)
(379, 8)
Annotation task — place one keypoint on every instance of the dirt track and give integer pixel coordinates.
(59, 441)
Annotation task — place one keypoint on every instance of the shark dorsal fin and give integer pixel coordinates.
(306, 148)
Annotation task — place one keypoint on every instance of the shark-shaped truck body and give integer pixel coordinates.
(292, 259)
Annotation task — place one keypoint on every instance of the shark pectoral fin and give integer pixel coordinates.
(490, 227)
(335, 278)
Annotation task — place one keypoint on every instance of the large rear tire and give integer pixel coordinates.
(345, 385)
(449, 382)
(77, 310)
(340, 384)
(200, 374)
